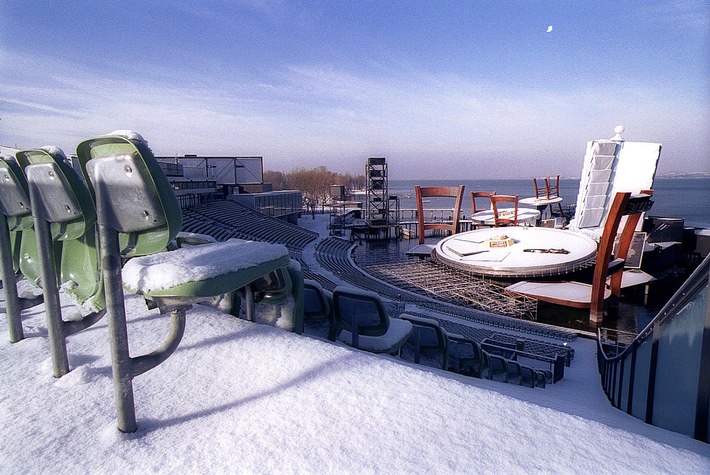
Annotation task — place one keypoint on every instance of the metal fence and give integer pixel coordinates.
(663, 375)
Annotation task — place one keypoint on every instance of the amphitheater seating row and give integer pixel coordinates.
(333, 254)
(229, 219)
(359, 319)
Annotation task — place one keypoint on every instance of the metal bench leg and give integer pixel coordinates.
(124, 367)
(118, 333)
(45, 250)
(12, 301)
(249, 297)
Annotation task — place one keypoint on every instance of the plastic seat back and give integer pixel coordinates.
(14, 205)
(66, 204)
(144, 209)
(361, 309)
(464, 354)
(316, 307)
(427, 338)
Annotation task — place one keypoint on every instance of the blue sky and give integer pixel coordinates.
(442, 89)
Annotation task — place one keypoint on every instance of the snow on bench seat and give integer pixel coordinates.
(203, 271)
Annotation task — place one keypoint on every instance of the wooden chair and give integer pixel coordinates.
(499, 218)
(548, 189)
(541, 188)
(553, 191)
(583, 295)
(438, 191)
(483, 195)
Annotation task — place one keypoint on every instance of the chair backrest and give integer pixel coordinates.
(14, 205)
(65, 203)
(540, 188)
(624, 204)
(363, 309)
(143, 207)
(552, 186)
(427, 338)
(499, 214)
(465, 353)
(428, 333)
(547, 187)
(14, 195)
(316, 305)
(482, 195)
(455, 192)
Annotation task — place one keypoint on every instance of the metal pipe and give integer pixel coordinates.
(7, 274)
(249, 297)
(141, 364)
(48, 272)
(75, 326)
(118, 333)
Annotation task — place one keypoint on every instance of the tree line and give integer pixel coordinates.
(313, 183)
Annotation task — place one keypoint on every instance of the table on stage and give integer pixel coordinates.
(540, 203)
(487, 218)
(534, 252)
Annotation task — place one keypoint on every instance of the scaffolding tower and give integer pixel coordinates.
(377, 199)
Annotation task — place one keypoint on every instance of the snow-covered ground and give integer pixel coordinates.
(248, 398)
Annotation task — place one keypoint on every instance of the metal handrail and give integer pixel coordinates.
(697, 280)
(620, 387)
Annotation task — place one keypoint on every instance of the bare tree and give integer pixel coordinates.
(277, 179)
(315, 183)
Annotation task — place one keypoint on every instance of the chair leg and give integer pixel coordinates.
(12, 301)
(118, 331)
(55, 327)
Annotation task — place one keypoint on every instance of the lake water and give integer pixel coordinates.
(687, 198)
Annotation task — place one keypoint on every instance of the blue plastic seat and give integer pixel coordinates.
(465, 355)
(497, 367)
(363, 323)
(427, 338)
(318, 306)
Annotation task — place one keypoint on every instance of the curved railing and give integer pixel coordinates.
(663, 375)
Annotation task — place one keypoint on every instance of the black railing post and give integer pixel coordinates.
(702, 407)
(652, 373)
(632, 374)
(612, 389)
(620, 363)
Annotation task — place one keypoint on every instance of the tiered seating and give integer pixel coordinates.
(374, 331)
(229, 219)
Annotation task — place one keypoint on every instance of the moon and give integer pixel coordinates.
(549, 29)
